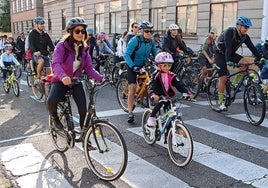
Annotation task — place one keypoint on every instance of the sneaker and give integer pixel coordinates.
(130, 118)
(57, 124)
(222, 107)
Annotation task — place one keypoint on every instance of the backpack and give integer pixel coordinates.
(139, 45)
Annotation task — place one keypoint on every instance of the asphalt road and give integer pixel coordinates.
(228, 151)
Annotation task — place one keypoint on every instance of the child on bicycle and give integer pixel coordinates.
(7, 59)
(162, 83)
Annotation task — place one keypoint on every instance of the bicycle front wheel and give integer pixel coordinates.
(180, 145)
(37, 90)
(148, 135)
(6, 87)
(254, 104)
(105, 151)
(16, 88)
(122, 93)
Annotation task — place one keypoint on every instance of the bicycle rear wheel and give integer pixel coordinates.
(191, 79)
(37, 90)
(105, 150)
(212, 94)
(147, 134)
(59, 138)
(122, 93)
(180, 145)
(16, 88)
(254, 104)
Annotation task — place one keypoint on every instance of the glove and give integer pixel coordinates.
(230, 63)
(136, 68)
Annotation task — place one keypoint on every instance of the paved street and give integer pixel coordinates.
(228, 151)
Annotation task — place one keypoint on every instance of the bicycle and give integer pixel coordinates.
(141, 96)
(101, 140)
(253, 97)
(106, 65)
(11, 81)
(170, 124)
(186, 74)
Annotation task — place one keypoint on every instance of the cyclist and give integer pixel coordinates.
(171, 43)
(206, 57)
(21, 46)
(121, 47)
(104, 51)
(158, 42)
(226, 46)
(138, 50)
(69, 59)
(7, 59)
(264, 70)
(39, 42)
(134, 31)
(162, 84)
(91, 41)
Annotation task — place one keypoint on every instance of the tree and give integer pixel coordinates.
(5, 16)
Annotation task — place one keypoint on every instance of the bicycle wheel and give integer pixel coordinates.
(37, 90)
(18, 72)
(115, 75)
(6, 87)
(16, 88)
(212, 94)
(29, 78)
(254, 104)
(180, 144)
(149, 136)
(59, 138)
(122, 94)
(105, 151)
(191, 79)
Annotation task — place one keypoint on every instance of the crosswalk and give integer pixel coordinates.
(216, 159)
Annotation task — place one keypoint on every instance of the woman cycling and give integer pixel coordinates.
(70, 58)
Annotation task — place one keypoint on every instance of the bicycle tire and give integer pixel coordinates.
(37, 90)
(115, 75)
(59, 139)
(18, 72)
(16, 88)
(181, 152)
(110, 162)
(29, 78)
(191, 80)
(122, 94)
(212, 94)
(254, 104)
(146, 133)
(6, 87)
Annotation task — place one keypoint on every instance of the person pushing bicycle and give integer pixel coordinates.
(227, 44)
(162, 83)
(69, 60)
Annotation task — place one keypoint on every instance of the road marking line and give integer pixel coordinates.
(225, 163)
(205, 103)
(243, 117)
(22, 137)
(235, 134)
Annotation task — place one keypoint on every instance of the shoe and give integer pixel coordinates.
(151, 127)
(130, 118)
(57, 124)
(222, 107)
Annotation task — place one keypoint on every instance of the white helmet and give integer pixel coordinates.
(163, 57)
(173, 26)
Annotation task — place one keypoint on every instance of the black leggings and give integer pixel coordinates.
(157, 107)
(57, 93)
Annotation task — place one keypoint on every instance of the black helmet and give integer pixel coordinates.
(145, 24)
(38, 20)
(73, 22)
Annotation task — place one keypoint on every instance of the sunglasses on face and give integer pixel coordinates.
(77, 31)
(41, 23)
(148, 31)
(246, 27)
(135, 26)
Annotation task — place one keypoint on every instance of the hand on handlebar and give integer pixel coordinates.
(66, 80)
(136, 68)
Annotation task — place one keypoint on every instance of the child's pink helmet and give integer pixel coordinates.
(163, 57)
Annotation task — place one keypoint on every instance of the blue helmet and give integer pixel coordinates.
(39, 20)
(244, 21)
(90, 30)
(8, 47)
(145, 24)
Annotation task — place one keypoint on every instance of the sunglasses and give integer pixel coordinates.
(148, 31)
(246, 27)
(167, 65)
(77, 31)
(41, 23)
(135, 26)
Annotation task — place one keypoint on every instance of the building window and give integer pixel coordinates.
(14, 7)
(134, 12)
(226, 11)
(49, 24)
(63, 19)
(99, 17)
(81, 12)
(158, 15)
(187, 16)
(21, 5)
(115, 16)
(27, 5)
(32, 4)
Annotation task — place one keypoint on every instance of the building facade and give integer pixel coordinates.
(195, 17)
